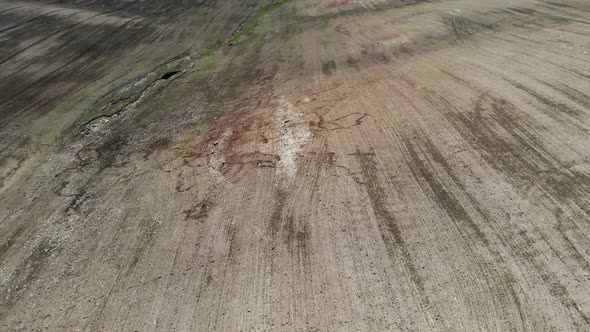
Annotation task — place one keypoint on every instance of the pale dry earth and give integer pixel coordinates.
(301, 165)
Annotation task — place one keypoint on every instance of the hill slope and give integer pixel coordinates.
(295, 165)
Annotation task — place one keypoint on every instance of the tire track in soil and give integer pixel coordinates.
(481, 134)
(390, 232)
(53, 34)
(68, 63)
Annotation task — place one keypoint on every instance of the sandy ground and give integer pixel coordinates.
(308, 165)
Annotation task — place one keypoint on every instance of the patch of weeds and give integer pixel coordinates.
(276, 5)
(325, 33)
(291, 24)
(260, 24)
(237, 37)
(458, 26)
(243, 66)
(328, 67)
(264, 23)
(352, 63)
(204, 65)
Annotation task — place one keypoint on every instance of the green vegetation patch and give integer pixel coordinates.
(325, 33)
(237, 37)
(260, 24)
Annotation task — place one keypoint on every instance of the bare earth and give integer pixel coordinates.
(308, 165)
